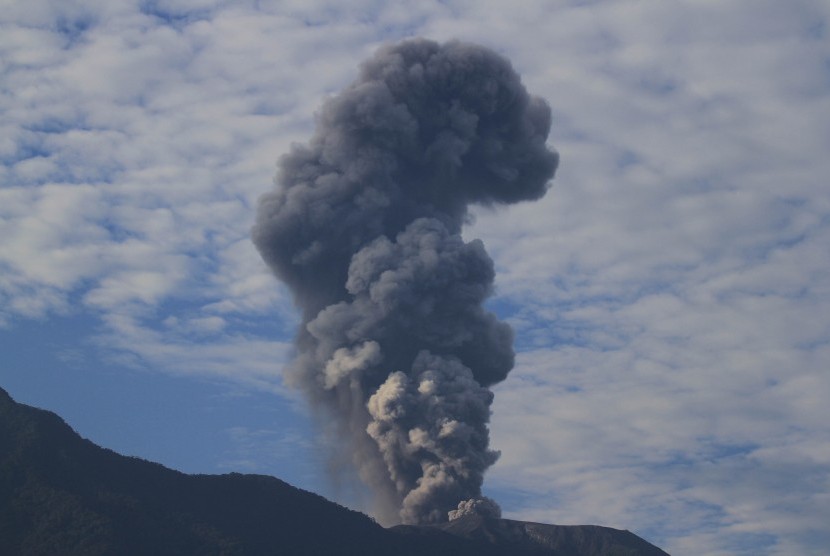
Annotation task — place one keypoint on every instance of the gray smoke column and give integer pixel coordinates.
(396, 352)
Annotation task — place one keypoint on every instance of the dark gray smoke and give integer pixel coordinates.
(395, 350)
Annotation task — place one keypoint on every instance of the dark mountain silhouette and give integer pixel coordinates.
(540, 538)
(62, 495)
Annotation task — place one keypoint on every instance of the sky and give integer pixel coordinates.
(670, 295)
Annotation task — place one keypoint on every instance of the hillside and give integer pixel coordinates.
(62, 494)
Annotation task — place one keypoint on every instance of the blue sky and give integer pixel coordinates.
(669, 294)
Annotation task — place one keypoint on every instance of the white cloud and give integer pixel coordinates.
(670, 293)
(179, 348)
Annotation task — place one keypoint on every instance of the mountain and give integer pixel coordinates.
(510, 535)
(62, 495)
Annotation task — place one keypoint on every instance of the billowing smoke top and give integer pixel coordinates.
(395, 350)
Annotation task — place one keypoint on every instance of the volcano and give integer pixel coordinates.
(62, 494)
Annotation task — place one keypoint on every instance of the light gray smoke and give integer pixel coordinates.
(395, 351)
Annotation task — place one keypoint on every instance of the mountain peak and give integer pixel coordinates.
(62, 494)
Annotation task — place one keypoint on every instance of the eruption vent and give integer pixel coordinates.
(395, 351)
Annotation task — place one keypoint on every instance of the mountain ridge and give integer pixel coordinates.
(63, 494)
(543, 538)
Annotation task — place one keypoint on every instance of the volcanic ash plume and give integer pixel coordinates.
(396, 352)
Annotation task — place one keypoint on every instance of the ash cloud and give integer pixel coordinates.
(395, 351)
